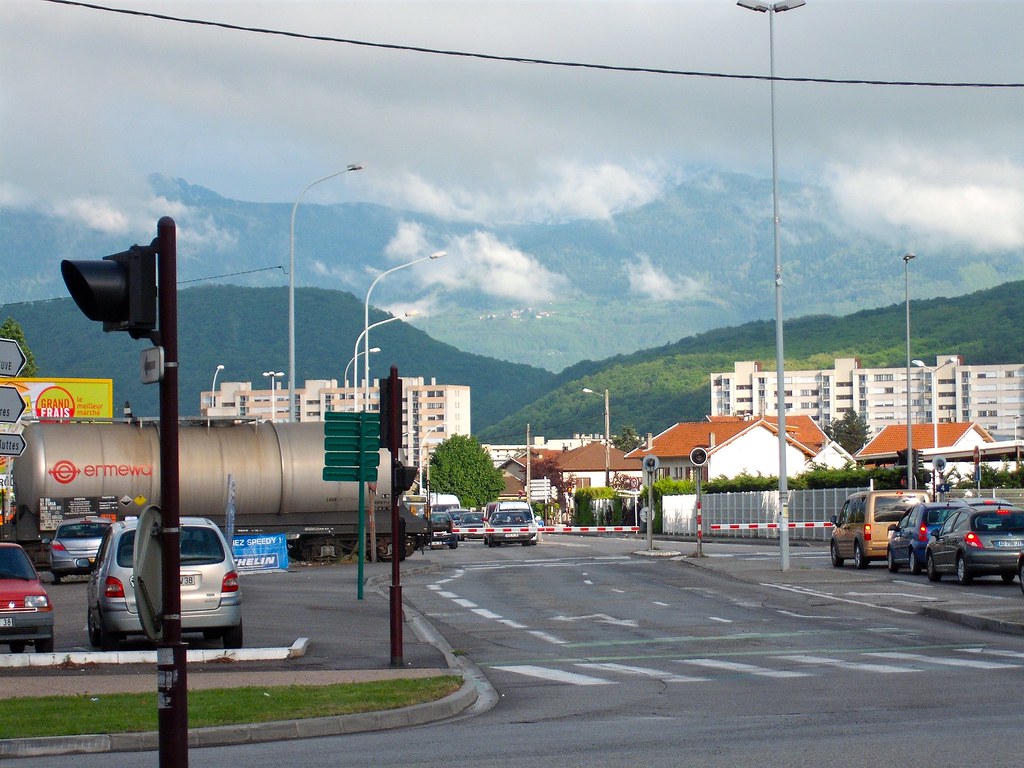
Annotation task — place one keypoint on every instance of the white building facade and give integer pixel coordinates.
(431, 412)
(944, 390)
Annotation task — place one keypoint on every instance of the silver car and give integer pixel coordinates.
(211, 600)
(74, 546)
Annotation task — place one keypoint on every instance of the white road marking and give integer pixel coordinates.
(548, 638)
(554, 675)
(724, 621)
(604, 618)
(995, 652)
(946, 662)
(735, 666)
(486, 613)
(658, 602)
(845, 664)
(828, 596)
(644, 672)
(463, 602)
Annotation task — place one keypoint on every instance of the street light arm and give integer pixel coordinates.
(291, 283)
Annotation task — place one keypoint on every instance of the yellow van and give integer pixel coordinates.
(861, 529)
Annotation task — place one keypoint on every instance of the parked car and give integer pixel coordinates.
(908, 541)
(26, 614)
(211, 599)
(515, 528)
(471, 520)
(441, 533)
(977, 541)
(861, 529)
(74, 545)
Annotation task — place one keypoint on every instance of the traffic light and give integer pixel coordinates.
(404, 477)
(119, 290)
(917, 459)
(901, 457)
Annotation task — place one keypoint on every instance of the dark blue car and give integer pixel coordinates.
(909, 539)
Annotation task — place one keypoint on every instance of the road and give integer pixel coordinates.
(601, 658)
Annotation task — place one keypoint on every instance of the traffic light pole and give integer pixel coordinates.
(394, 442)
(172, 682)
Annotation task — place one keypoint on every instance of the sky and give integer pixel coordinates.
(92, 102)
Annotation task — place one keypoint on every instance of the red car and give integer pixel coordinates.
(26, 614)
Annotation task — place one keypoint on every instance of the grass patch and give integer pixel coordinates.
(130, 712)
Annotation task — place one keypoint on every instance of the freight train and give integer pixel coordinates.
(275, 470)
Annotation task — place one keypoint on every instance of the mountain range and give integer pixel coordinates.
(649, 390)
(545, 295)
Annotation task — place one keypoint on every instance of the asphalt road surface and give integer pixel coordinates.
(600, 658)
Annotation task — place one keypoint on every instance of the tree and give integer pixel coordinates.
(627, 440)
(851, 431)
(10, 329)
(462, 466)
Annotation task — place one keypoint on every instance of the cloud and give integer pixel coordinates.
(645, 279)
(479, 262)
(978, 203)
(568, 190)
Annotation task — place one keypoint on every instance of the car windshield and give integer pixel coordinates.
(889, 509)
(1003, 521)
(472, 518)
(936, 516)
(81, 530)
(510, 518)
(199, 546)
(14, 564)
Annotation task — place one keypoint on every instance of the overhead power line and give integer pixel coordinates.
(529, 60)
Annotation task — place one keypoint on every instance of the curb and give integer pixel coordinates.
(195, 656)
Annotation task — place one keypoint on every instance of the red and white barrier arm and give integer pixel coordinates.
(556, 529)
(763, 526)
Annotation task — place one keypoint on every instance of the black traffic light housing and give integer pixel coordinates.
(901, 457)
(119, 290)
(404, 478)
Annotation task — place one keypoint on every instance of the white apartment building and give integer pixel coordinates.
(945, 390)
(431, 412)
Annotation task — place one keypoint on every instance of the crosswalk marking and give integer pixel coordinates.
(554, 675)
(735, 666)
(643, 672)
(802, 658)
(971, 663)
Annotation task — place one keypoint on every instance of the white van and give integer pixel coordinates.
(443, 502)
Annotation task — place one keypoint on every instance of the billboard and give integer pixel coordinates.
(66, 399)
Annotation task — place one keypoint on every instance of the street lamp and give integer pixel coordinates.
(907, 258)
(607, 439)
(213, 391)
(291, 285)
(359, 338)
(366, 319)
(273, 376)
(352, 362)
(935, 394)
(771, 9)
(419, 457)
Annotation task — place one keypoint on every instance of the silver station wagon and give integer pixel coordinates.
(211, 600)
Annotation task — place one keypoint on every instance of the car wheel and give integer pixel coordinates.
(837, 561)
(45, 645)
(890, 561)
(109, 641)
(18, 647)
(56, 577)
(233, 637)
(963, 575)
(454, 544)
(933, 574)
(859, 560)
(95, 636)
(1020, 574)
(1007, 577)
(915, 564)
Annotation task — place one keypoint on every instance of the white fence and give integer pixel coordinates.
(750, 509)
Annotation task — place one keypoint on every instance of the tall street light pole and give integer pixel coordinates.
(933, 373)
(213, 391)
(273, 376)
(771, 9)
(907, 258)
(359, 338)
(291, 287)
(366, 319)
(353, 362)
(607, 439)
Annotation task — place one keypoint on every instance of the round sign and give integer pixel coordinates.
(939, 462)
(651, 463)
(699, 456)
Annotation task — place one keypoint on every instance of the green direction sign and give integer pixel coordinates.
(351, 446)
(350, 474)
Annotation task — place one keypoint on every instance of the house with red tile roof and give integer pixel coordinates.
(737, 445)
(582, 467)
(948, 436)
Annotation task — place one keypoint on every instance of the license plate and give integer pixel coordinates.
(1009, 543)
(6, 622)
(188, 580)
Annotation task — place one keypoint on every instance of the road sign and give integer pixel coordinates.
(351, 447)
(12, 405)
(12, 359)
(11, 445)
